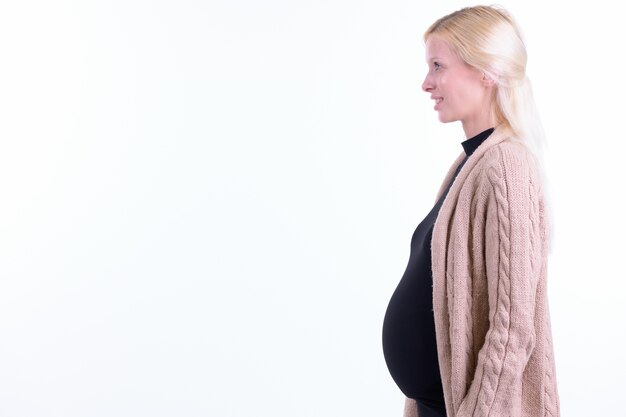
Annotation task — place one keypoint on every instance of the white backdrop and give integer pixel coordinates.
(206, 206)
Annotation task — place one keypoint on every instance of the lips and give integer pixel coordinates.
(438, 101)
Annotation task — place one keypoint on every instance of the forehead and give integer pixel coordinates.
(437, 48)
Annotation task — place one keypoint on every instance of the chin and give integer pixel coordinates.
(446, 118)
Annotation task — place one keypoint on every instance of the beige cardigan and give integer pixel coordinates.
(489, 262)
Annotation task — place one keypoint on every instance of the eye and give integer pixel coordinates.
(436, 65)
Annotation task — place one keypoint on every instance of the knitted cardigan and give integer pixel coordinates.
(489, 264)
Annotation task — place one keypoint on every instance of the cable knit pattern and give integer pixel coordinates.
(489, 260)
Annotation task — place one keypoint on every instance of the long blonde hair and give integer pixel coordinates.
(489, 39)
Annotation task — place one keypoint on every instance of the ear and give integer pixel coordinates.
(487, 80)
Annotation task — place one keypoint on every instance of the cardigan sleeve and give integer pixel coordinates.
(512, 246)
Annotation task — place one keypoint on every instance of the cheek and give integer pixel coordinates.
(463, 90)
(448, 89)
(448, 84)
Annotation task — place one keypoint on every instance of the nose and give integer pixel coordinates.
(427, 84)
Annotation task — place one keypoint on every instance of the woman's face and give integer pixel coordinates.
(464, 95)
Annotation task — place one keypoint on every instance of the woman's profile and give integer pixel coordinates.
(467, 331)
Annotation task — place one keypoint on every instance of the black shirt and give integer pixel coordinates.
(409, 342)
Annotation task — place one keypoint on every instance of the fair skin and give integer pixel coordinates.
(466, 92)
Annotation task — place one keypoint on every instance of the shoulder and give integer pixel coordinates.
(511, 163)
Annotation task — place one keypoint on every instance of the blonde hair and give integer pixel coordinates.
(489, 39)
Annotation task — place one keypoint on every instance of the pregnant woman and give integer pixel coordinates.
(467, 331)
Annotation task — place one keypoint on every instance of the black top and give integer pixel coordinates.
(409, 343)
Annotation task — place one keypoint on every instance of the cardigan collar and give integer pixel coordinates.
(500, 133)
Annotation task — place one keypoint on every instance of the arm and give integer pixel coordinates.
(512, 250)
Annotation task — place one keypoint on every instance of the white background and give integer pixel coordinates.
(206, 206)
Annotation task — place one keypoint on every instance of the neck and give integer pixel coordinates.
(481, 121)
(474, 127)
